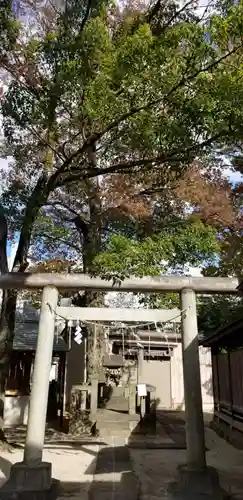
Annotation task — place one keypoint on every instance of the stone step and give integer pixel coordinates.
(117, 391)
(117, 405)
(110, 416)
(117, 398)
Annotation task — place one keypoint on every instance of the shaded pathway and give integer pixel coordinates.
(114, 478)
(164, 432)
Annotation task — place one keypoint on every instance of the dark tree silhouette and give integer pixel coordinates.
(3, 244)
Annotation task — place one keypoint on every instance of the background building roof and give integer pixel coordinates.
(26, 329)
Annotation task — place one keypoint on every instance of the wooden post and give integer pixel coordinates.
(84, 393)
(230, 386)
(62, 368)
(132, 400)
(140, 365)
(140, 381)
(195, 438)
(40, 382)
(94, 397)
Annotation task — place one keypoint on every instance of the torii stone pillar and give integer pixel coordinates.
(141, 380)
(33, 475)
(40, 381)
(140, 364)
(195, 439)
(195, 479)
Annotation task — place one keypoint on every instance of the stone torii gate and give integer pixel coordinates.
(122, 315)
(33, 475)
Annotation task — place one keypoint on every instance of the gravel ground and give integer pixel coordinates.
(73, 467)
(157, 469)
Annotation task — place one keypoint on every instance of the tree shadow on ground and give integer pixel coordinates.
(5, 467)
(126, 487)
(110, 460)
(158, 430)
(114, 410)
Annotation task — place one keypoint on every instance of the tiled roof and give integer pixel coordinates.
(113, 361)
(25, 338)
(26, 329)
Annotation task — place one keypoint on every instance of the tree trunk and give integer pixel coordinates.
(8, 309)
(91, 236)
(7, 321)
(3, 244)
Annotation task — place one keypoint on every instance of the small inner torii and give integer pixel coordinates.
(130, 338)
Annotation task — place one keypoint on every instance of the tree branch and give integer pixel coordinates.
(44, 141)
(163, 158)
(124, 167)
(37, 199)
(98, 135)
(177, 13)
(64, 205)
(82, 226)
(203, 70)
(31, 90)
(154, 11)
(205, 11)
(67, 243)
(86, 16)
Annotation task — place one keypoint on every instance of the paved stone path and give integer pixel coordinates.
(114, 478)
(163, 435)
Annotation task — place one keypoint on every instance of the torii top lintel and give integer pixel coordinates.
(204, 285)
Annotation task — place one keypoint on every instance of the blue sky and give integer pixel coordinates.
(8, 248)
(234, 177)
(11, 250)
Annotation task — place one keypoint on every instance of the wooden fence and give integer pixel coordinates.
(228, 382)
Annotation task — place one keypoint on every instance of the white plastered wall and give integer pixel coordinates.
(177, 386)
(16, 410)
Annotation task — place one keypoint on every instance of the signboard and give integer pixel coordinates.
(142, 390)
